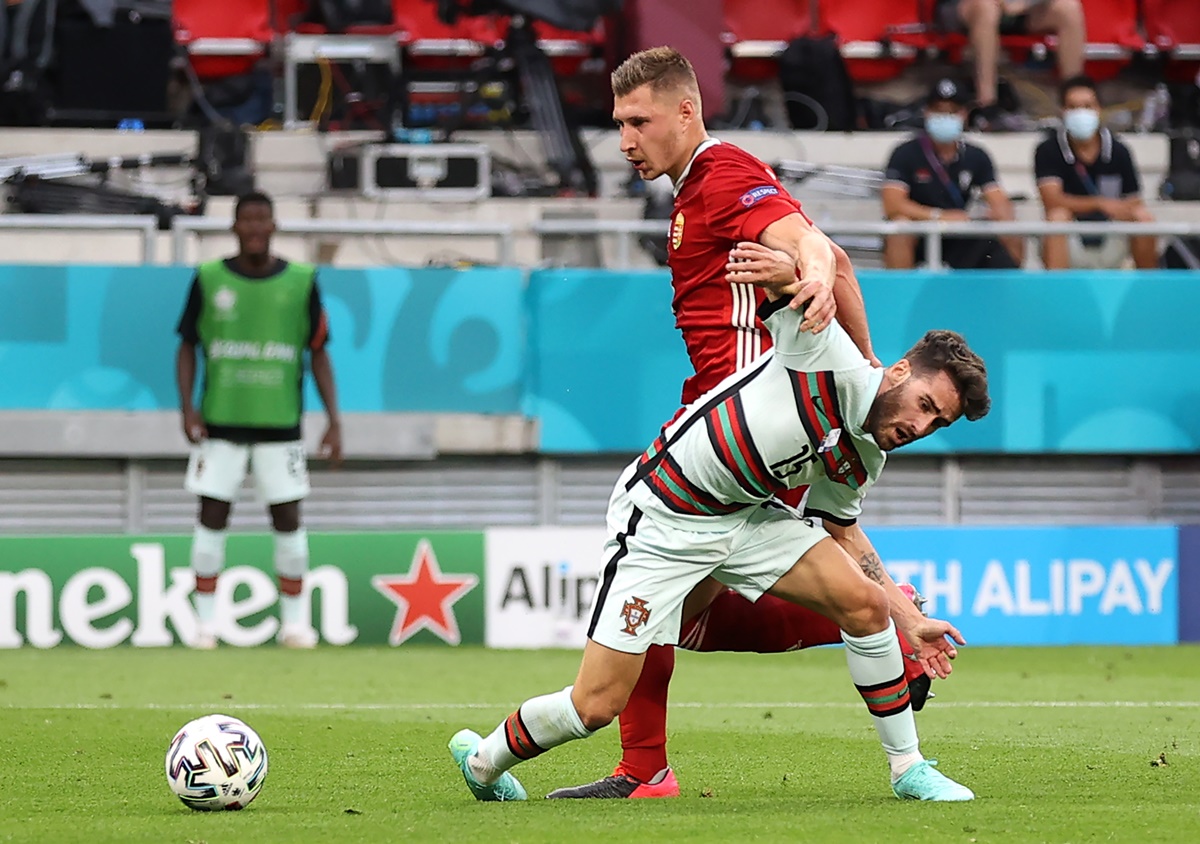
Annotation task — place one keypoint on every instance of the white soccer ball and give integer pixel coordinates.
(216, 762)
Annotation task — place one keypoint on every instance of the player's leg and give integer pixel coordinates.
(216, 469)
(827, 580)
(647, 573)
(643, 771)
(606, 678)
(281, 474)
(772, 625)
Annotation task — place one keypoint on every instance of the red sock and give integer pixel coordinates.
(644, 720)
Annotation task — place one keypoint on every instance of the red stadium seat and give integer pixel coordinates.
(868, 32)
(422, 33)
(757, 31)
(1173, 26)
(222, 39)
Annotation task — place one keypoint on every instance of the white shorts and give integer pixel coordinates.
(650, 567)
(217, 468)
(1110, 255)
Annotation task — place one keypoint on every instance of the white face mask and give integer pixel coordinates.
(1081, 123)
(944, 128)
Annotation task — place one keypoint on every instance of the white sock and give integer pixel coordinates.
(291, 609)
(208, 551)
(540, 724)
(206, 609)
(877, 668)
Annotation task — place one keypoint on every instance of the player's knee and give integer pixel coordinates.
(869, 612)
(597, 711)
(214, 514)
(1142, 214)
(1059, 215)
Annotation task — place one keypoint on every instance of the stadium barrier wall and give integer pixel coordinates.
(533, 587)
(1080, 362)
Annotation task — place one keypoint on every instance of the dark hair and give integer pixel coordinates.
(1081, 80)
(254, 197)
(661, 68)
(946, 351)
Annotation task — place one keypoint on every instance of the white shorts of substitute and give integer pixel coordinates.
(217, 468)
(649, 567)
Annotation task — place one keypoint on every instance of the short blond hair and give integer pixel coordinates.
(662, 68)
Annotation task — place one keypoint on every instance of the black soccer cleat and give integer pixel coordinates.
(918, 692)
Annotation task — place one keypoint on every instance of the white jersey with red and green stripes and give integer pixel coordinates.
(793, 417)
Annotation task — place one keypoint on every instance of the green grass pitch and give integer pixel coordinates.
(1060, 744)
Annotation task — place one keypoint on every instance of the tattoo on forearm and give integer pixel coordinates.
(872, 566)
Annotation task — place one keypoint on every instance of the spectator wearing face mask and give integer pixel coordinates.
(1084, 173)
(939, 176)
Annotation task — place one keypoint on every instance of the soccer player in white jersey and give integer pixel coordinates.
(697, 505)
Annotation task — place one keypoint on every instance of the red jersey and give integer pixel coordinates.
(724, 196)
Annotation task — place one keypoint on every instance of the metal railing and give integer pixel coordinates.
(933, 231)
(502, 233)
(627, 231)
(145, 224)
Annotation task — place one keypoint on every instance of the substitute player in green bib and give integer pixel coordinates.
(255, 318)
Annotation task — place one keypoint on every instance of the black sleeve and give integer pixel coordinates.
(188, 329)
(900, 167)
(318, 331)
(1130, 183)
(1048, 161)
(983, 171)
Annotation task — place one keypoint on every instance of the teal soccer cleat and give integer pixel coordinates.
(923, 782)
(462, 747)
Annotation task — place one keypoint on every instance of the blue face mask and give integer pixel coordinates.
(944, 128)
(1081, 123)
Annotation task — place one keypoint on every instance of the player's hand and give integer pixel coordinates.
(753, 263)
(816, 298)
(193, 426)
(331, 444)
(934, 643)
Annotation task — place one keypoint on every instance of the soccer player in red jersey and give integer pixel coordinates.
(724, 196)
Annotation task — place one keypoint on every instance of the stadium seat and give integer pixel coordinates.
(868, 32)
(422, 33)
(222, 39)
(1173, 26)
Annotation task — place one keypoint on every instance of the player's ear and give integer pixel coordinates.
(898, 373)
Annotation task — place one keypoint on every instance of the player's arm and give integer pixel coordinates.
(937, 651)
(185, 364)
(851, 308)
(322, 370)
(816, 267)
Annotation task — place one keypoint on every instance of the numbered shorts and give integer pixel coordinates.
(217, 468)
(649, 567)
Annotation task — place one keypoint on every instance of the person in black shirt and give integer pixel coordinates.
(1084, 173)
(935, 176)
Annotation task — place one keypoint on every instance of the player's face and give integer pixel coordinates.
(652, 131)
(912, 408)
(254, 225)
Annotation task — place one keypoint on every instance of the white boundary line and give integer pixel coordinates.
(234, 705)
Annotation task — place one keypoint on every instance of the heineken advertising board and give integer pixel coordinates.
(368, 588)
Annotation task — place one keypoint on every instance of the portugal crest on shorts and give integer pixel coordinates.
(636, 613)
(677, 231)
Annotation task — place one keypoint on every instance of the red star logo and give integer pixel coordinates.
(425, 597)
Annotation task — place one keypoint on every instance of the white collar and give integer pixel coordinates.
(705, 144)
